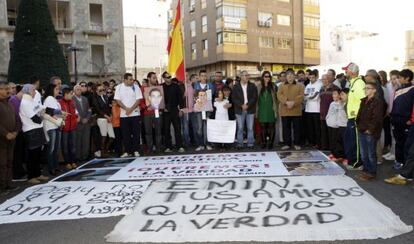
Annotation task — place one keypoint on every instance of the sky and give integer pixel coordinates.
(146, 13)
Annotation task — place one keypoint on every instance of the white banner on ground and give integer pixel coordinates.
(219, 131)
(203, 165)
(303, 208)
(72, 200)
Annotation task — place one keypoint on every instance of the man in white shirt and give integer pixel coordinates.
(128, 94)
(312, 110)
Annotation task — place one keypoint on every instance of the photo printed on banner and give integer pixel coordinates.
(302, 156)
(72, 200)
(314, 168)
(100, 175)
(107, 163)
(261, 209)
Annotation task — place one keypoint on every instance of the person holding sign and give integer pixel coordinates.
(203, 106)
(150, 107)
(244, 101)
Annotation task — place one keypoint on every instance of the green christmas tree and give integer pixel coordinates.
(36, 49)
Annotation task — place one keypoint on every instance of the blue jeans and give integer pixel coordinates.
(53, 148)
(243, 119)
(408, 142)
(201, 129)
(68, 146)
(369, 153)
(186, 120)
(351, 142)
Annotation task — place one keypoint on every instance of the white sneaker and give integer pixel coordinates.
(98, 154)
(181, 150)
(125, 155)
(209, 148)
(390, 157)
(168, 150)
(136, 154)
(297, 148)
(379, 162)
(285, 148)
(200, 148)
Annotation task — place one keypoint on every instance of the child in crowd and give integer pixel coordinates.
(221, 105)
(227, 95)
(336, 120)
(369, 124)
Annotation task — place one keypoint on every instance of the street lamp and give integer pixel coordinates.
(73, 48)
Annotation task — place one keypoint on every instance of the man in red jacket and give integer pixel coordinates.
(68, 136)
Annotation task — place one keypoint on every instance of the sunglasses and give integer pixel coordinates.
(266, 76)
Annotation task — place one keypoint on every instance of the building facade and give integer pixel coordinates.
(94, 28)
(236, 35)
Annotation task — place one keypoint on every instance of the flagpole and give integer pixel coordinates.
(185, 73)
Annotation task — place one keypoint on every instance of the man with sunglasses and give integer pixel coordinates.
(128, 95)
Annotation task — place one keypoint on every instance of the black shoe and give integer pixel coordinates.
(21, 178)
(12, 188)
(52, 172)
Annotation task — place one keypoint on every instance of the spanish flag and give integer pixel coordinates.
(176, 48)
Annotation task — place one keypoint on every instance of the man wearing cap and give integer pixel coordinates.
(356, 93)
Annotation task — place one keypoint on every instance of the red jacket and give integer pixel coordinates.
(412, 116)
(71, 118)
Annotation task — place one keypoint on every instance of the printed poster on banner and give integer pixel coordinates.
(106, 163)
(314, 168)
(219, 131)
(262, 209)
(302, 156)
(98, 175)
(203, 165)
(72, 200)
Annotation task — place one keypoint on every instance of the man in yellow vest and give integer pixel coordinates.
(356, 93)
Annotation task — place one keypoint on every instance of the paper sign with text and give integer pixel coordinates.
(72, 200)
(265, 209)
(241, 164)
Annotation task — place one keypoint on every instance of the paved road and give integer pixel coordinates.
(399, 198)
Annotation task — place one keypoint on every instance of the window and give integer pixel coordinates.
(203, 4)
(283, 20)
(284, 43)
(311, 44)
(266, 41)
(193, 28)
(68, 56)
(191, 4)
(237, 38)
(204, 23)
(265, 19)
(219, 38)
(311, 2)
(12, 6)
(96, 18)
(193, 51)
(231, 11)
(205, 45)
(311, 21)
(59, 12)
(285, 1)
(98, 58)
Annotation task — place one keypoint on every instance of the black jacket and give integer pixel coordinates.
(101, 107)
(173, 97)
(238, 98)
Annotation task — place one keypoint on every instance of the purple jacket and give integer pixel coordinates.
(326, 99)
(15, 102)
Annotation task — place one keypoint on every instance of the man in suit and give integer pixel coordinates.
(83, 127)
(244, 98)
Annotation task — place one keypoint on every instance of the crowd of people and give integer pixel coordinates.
(360, 120)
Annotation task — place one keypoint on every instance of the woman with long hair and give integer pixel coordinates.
(267, 110)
